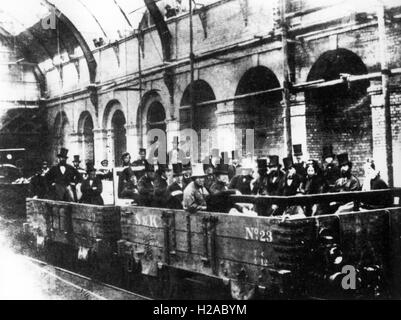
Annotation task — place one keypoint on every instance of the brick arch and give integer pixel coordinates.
(111, 107)
(263, 113)
(339, 115)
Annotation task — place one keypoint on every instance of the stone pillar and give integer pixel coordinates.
(100, 143)
(298, 122)
(133, 140)
(110, 147)
(75, 144)
(226, 138)
(378, 128)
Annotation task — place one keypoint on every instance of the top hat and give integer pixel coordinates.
(288, 163)
(297, 150)
(221, 169)
(63, 153)
(125, 154)
(262, 163)
(328, 152)
(76, 159)
(343, 159)
(274, 161)
(177, 169)
(142, 150)
(104, 163)
(197, 171)
(90, 167)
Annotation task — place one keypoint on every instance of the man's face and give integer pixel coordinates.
(76, 164)
(329, 160)
(310, 171)
(127, 159)
(299, 159)
(223, 178)
(178, 179)
(345, 169)
(92, 175)
(273, 169)
(209, 171)
(187, 173)
(200, 182)
(62, 161)
(44, 166)
(291, 172)
(262, 172)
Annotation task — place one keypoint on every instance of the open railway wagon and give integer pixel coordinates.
(173, 251)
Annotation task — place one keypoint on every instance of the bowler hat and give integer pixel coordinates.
(63, 153)
(274, 161)
(288, 163)
(343, 160)
(76, 159)
(328, 152)
(177, 169)
(297, 149)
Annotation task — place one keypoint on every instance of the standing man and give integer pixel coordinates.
(291, 182)
(208, 169)
(275, 176)
(347, 182)
(331, 172)
(260, 185)
(122, 176)
(175, 190)
(186, 175)
(92, 187)
(160, 187)
(62, 178)
(299, 164)
(38, 182)
(195, 194)
(141, 162)
(146, 187)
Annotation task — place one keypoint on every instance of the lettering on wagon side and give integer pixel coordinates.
(253, 233)
(148, 221)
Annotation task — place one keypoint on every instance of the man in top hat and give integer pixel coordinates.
(176, 155)
(92, 187)
(219, 190)
(82, 172)
(130, 182)
(38, 183)
(175, 190)
(186, 174)
(331, 172)
(124, 176)
(274, 177)
(62, 178)
(208, 169)
(160, 185)
(195, 194)
(146, 187)
(260, 185)
(299, 164)
(291, 182)
(234, 167)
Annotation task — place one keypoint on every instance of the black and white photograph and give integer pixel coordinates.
(222, 151)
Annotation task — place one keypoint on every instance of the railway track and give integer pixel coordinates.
(62, 284)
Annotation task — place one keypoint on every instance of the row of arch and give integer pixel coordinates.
(338, 115)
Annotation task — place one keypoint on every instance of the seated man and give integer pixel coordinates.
(219, 190)
(175, 190)
(195, 194)
(145, 187)
(92, 188)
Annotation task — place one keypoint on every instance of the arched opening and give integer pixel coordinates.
(86, 129)
(263, 113)
(61, 131)
(204, 117)
(120, 139)
(339, 115)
